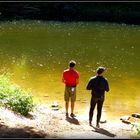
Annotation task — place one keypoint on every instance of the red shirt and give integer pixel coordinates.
(70, 77)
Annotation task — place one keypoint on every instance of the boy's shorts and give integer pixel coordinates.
(70, 92)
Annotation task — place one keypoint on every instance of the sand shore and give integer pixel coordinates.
(44, 122)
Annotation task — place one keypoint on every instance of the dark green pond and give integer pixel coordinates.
(35, 53)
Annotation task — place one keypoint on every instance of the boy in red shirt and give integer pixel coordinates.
(70, 79)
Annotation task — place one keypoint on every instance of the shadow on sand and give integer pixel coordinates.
(72, 120)
(23, 132)
(103, 131)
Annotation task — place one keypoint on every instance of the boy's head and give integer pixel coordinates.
(100, 70)
(72, 63)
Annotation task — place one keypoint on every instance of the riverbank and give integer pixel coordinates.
(120, 12)
(44, 122)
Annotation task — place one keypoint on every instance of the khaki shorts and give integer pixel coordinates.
(70, 92)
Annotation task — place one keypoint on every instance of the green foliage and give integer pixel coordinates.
(13, 97)
(136, 132)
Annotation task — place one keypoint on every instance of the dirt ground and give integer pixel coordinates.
(44, 122)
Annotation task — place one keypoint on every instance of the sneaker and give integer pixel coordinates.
(67, 114)
(72, 115)
(98, 126)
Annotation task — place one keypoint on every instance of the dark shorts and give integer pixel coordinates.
(70, 92)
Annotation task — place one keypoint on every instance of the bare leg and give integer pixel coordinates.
(67, 106)
(72, 107)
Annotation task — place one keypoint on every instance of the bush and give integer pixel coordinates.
(136, 132)
(15, 98)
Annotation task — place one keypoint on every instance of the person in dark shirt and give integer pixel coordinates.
(98, 85)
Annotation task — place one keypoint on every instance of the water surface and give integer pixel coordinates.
(35, 53)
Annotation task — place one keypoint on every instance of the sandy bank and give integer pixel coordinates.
(47, 123)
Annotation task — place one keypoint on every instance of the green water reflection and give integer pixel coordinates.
(36, 53)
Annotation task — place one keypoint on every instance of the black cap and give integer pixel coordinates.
(100, 69)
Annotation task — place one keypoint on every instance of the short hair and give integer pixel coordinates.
(72, 63)
(100, 70)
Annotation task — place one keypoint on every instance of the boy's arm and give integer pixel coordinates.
(107, 86)
(89, 85)
(63, 80)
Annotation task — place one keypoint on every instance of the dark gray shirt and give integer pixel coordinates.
(98, 85)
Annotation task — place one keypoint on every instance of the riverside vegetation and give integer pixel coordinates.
(15, 98)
